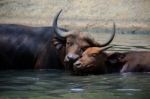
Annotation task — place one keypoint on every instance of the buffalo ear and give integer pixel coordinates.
(115, 57)
(58, 43)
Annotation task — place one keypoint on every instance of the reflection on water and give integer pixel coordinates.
(54, 84)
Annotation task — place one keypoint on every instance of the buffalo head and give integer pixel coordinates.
(74, 42)
(92, 61)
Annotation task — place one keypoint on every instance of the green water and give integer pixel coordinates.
(54, 84)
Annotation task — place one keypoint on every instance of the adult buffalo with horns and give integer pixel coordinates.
(24, 47)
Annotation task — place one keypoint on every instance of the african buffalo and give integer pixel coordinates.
(42, 47)
(95, 61)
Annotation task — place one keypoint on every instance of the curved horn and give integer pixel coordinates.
(59, 32)
(111, 38)
(105, 48)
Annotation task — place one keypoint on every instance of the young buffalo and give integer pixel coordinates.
(95, 61)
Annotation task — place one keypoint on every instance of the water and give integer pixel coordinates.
(55, 84)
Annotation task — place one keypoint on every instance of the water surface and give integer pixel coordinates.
(54, 84)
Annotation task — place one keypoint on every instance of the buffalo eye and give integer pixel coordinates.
(68, 43)
(94, 55)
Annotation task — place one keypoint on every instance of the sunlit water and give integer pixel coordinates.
(55, 84)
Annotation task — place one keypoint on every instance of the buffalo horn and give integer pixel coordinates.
(111, 38)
